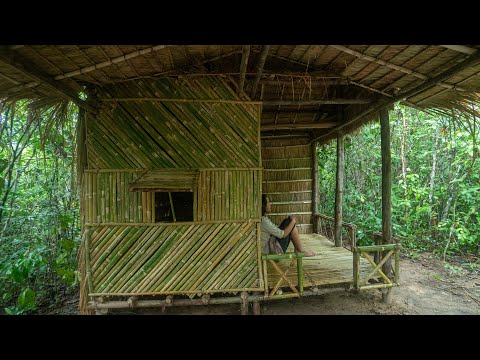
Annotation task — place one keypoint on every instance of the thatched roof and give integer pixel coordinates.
(304, 88)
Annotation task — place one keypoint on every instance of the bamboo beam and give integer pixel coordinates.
(305, 80)
(298, 126)
(243, 68)
(461, 48)
(110, 62)
(315, 102)
(386, 185)
(28, 69)
(391, 66)
(444, 90)
(469, 62)
(259, 68)
(339, 190)
(215, 101)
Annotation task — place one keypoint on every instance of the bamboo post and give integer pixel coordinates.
(300, 271)
(386, 193)
(87, 261)
(339, 190)
(171, 204)
(356, 268)
(315, 195)
(244, 304)
(397, 264)
(256, 308)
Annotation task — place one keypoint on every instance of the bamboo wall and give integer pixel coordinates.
(127, 144)
(168, 259)
(220, 195)
(287, 179)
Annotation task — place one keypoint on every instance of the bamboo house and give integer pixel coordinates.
(177, 143)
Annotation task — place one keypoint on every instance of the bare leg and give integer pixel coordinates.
(297, 243)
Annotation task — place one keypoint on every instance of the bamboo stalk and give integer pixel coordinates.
(202, 256)
(223, 251)
(397, 264)
(178, 100)
(162, 245)
(181, 257)
(356, 268)
(241, 251)
(87, 262)
(226, 266)
(377, 286)
(371, 248)
(179, 247)
(392, 66)
(171, 205)
(240, 269)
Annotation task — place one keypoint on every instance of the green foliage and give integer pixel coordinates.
(442, 218)
(39, 230)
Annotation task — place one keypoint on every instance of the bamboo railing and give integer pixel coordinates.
(362, 251)
(325, 225)
(295, 256)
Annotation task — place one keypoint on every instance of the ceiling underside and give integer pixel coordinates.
(316, 90)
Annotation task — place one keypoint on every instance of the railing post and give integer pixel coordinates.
(356, 268)
(397, 263)
(300, 271)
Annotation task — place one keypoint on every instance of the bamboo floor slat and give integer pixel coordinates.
(332, 265)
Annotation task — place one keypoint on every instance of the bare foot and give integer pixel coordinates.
(308, 253)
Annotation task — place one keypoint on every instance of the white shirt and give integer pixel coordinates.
(268, 228)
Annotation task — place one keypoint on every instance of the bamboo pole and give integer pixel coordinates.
(164, 243)
(392, 66)
(228, 265)
(397, 264)
(187, 243)
(259, 68)
(187, 268)
(300, 271)
(386, 185)
(87, 261)
(179, 100)
(146, 244)
(315, 186)
(110, 62)
(171, 205)
(378, 106)
(243, 68)
(339, 190)
(356, 268)
(386, 247)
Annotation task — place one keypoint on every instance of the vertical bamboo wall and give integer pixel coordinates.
(130, 254)
(287, 179)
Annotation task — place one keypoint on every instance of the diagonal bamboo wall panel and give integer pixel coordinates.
(160, 259)
(155, 135)
(287, 179)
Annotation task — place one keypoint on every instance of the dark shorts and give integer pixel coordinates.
(285, 241)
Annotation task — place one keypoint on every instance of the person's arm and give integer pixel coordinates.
(290, 226)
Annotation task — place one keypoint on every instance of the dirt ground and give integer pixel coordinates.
(428, 287)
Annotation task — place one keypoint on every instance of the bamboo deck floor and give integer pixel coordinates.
(332, 265)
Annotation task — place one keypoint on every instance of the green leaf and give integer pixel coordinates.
(26, 300)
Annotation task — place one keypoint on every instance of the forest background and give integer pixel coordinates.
(435, 195)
